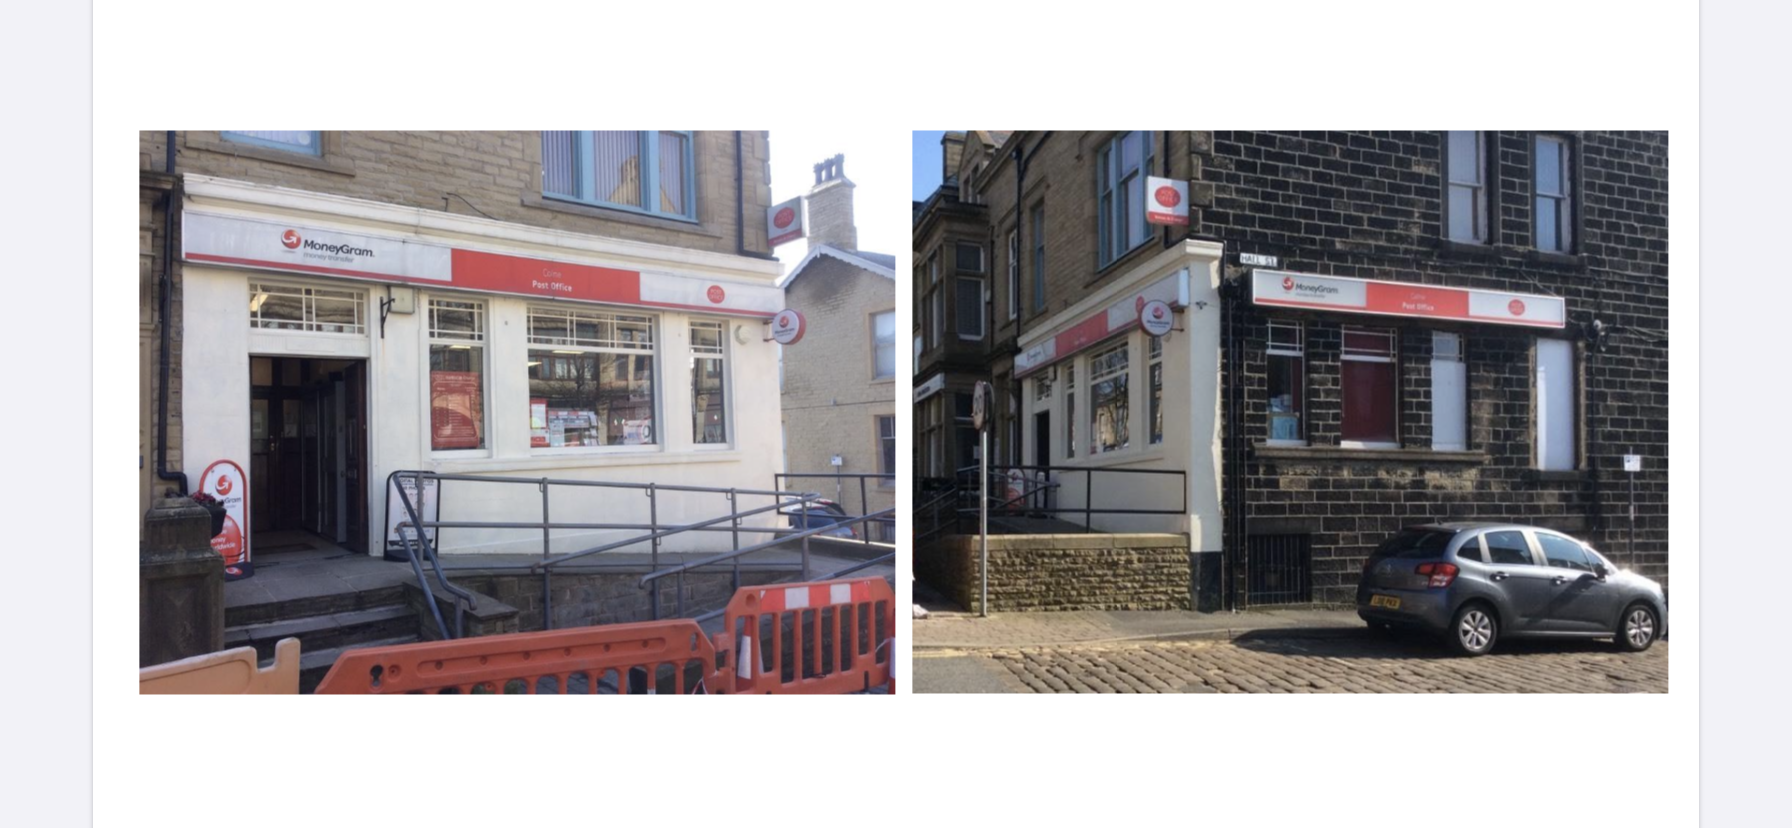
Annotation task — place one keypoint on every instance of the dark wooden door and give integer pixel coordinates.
(355, 487)
(275, 460)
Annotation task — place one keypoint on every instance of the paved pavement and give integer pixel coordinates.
(1280, 652)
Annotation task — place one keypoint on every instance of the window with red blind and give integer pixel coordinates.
(1370, 387)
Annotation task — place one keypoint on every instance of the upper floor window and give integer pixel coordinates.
(1039, 257)
(970, 258)
(1552, 178)
(1465, 202)
(883, 343)
(646, 172)
(305, 142)
(292, 308)
(1013, 273)
(1121, 167)
(969, 301)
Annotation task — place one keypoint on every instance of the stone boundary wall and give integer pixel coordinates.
(1063, 572)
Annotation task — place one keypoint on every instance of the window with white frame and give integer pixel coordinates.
(969, 257)
(1070, 410)
(1554, 205)
(303, 142)
(649, 172)
(1121, 167)
(591, 378)
(1449, 392)
(886, 443)
(1042, 384)
(936, 304)
(1287, 356)
(969, 301)
(1555, 429)
(1154, 352)
(1109, 400)
(1370, 380)
(1465, 199)
(296, 308)
(1013, 273)
(456, 374)
(883, 345)
(933, 438)
(709, 383)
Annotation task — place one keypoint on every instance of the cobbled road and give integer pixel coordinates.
(1365, 663)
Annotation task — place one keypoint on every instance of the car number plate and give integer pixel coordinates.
(1386, 601)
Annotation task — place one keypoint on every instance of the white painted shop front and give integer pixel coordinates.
(1098, 392)
(352, 339)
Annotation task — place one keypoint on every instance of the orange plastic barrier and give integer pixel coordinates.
(230, 672)
(645, 658)
(823, 637)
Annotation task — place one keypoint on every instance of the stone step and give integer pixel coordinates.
(318, 632)
(314, 665)
(320, 602)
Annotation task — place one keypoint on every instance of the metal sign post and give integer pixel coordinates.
(980, 419)
(1633, 463)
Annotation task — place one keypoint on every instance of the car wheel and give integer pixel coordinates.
(1474, 629)
(1636, 629)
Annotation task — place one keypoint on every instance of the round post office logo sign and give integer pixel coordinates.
(716, 294)
(784, 218)
(1516, 306)
(1168, 197)
(788, 327)
(1156, 317)
(291, 239)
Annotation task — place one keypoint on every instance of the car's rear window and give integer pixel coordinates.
(1415, 543)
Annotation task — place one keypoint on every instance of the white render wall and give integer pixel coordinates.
(1191, 399)
(215, 408)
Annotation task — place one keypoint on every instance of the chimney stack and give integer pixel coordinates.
(830, 206)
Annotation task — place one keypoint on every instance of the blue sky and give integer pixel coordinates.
(926, 161)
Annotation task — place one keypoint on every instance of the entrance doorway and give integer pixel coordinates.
(308, 451)
(1042, 439)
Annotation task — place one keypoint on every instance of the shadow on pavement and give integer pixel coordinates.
(1371, 644)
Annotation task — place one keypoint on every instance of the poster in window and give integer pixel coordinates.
(456, 412)
(538, 422)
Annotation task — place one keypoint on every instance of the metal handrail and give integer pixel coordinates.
(1087, 510)
(654, 532)
(864, 496)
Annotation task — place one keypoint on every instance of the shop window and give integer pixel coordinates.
(1287, 382)
(709, 391)
(1465, 201)
(1070, 410)
(1449, 393)
(645, 172)
(1013, 274)
(304, 142)
(1109, 399)
(1121, 167)
(1553, 228)
(883, 344)
(886, 443)
(456, 375)
(1155, 361)
(970, 308)
(1042, 384)
(319, 310)
(592, 384)
(1039, 257)
(1555, 405)
(1370, 388)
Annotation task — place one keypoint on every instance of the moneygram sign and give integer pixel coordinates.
(1337, 293)
(206, 237)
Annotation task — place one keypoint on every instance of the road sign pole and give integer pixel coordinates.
(983, 520)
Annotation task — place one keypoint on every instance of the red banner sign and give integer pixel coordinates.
(225, 481)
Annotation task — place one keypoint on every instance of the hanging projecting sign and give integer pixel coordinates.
(427, 504)
(784, 222)
(788, 327)
(1166, 201)
(267, 245)
(1120, 316)
(1337, 293)
(225, 481)
(1156, 317)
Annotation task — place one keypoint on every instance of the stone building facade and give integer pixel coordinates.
(420, 276)
(1523, 357)
(838, 383)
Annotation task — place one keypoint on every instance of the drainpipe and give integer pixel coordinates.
(1234, 477)
(167, 300)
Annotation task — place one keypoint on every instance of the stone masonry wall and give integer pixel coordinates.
(1063, 572)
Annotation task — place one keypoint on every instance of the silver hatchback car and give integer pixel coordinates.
(1475, 583)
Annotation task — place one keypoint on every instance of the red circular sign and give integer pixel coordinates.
(223, 485)
(784, 218)
(1516, 307)
(1168, 197)
(1287, 282)
(290, 238)
(716, 295)
(787, 327)
(1157, 312)
(229, 543)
